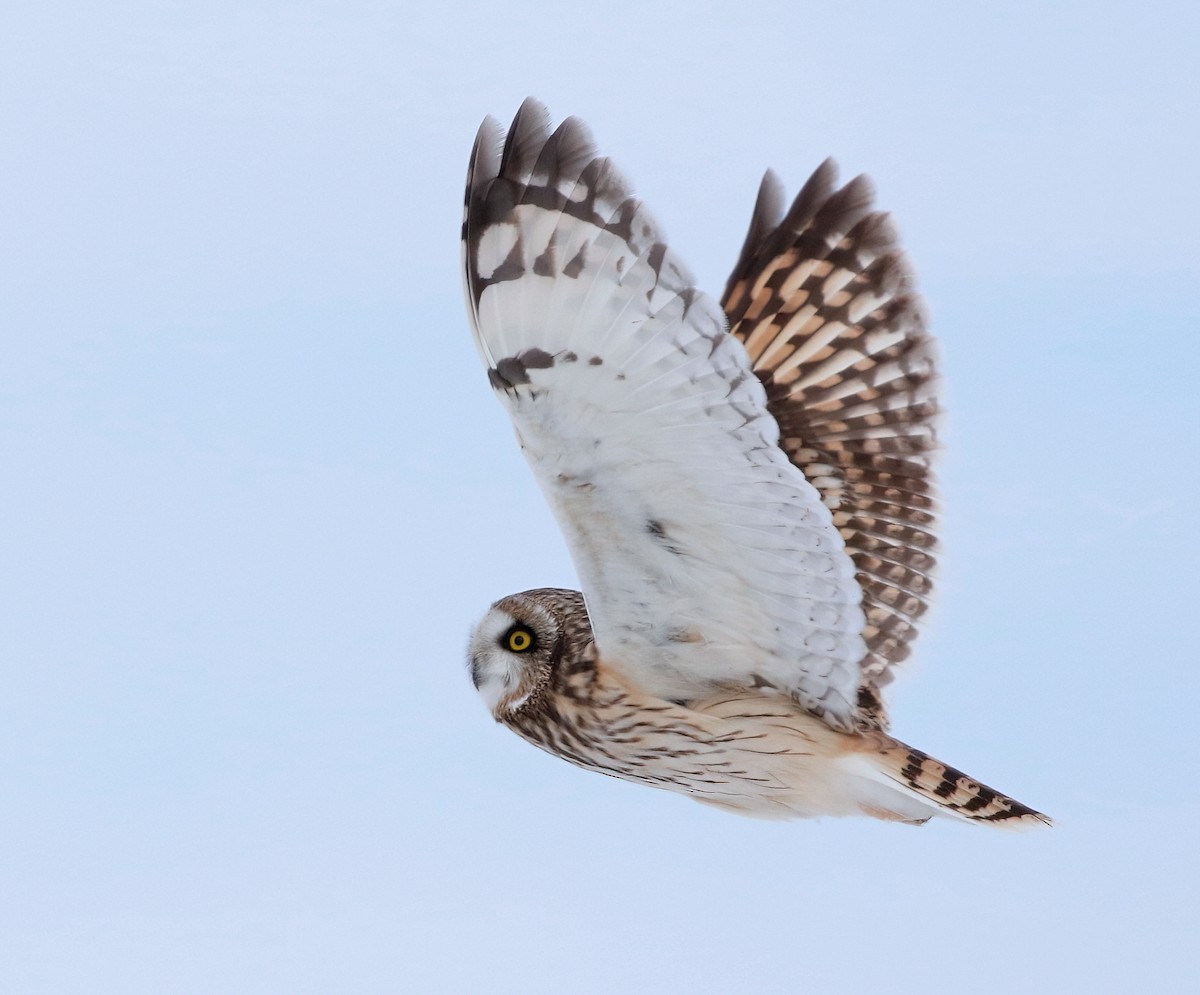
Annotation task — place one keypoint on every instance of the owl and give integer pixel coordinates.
(745, 487)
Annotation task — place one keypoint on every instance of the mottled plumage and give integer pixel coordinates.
(745, 488)
(823, 299)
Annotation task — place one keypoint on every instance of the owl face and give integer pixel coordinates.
(512, 651)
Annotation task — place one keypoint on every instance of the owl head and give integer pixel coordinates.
(518, 643)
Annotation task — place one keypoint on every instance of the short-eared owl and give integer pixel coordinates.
(745, 487)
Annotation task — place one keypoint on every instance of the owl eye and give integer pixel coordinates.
(519, 639)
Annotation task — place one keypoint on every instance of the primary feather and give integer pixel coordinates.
(823, 298)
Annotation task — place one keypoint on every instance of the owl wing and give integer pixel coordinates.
(822, 298)
(707, 559)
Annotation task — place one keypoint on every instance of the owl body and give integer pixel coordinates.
(745, 488)
(755, 752)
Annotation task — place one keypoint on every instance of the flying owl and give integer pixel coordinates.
(745, 487)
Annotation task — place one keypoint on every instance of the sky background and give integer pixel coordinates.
(256, 491)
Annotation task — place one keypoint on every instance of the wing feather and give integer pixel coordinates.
(706, 556)
(823, 299)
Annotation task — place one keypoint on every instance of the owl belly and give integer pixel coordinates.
(758, 754)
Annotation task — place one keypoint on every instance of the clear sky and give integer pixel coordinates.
(256, 491)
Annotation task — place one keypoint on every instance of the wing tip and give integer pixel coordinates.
(484, 164)
(527, 134)
(770, 206)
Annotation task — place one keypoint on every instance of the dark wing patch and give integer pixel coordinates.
(558, 171)
(822, 297)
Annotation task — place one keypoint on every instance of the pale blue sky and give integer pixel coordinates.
(257, 491)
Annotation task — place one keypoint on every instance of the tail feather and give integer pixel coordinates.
(945, 790)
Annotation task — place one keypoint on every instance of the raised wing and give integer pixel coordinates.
(706, 557)
(823, 299)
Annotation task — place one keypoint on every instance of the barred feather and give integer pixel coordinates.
(823, 299)
(950, 791)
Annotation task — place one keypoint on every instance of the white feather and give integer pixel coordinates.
(705, 556)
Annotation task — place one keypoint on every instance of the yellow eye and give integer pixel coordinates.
(519, 640)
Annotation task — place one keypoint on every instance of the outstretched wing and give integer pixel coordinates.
(823, 299)
(706, 557)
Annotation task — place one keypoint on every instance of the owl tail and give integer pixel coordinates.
(900, 776)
